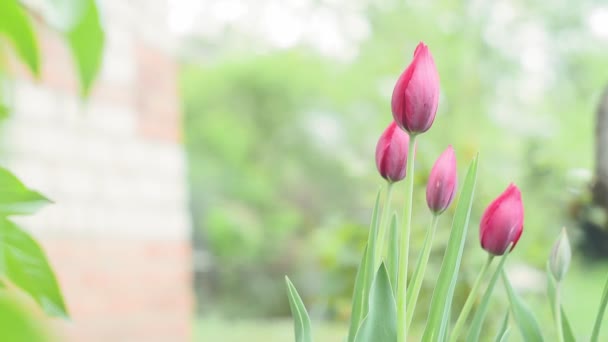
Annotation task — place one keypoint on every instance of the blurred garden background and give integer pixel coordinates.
(227, 143)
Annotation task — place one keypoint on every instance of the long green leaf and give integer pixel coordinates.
(600, 314)
(441, 302)
(86, 39)
(525, 319)
(393, 253)
(365, 276)
(551, 293)
(480, 314)
(18, 322)
(503, 332)
(16, 25)
(25, 264)
(380, 324)
(15, 198)
(301, 321)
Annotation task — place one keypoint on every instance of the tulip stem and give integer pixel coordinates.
(384, 223)
(466, 309)
(558, 313)
(600, 314)
(404, 242)
(423, 259)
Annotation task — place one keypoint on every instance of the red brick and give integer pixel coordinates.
(119, 290)
(157, 98)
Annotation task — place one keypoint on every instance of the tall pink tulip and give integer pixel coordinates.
(441, 186)
(391, 153)
(416, 94)
(502, 222)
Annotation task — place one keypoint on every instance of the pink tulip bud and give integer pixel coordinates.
(502, 222)
(416, 94)
(442, 183)
(391, 153)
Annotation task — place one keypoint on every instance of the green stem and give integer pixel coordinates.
(600, 314)
(384, 223)
(423, 259)
(466, 309)
(558, 314)
(404, 242)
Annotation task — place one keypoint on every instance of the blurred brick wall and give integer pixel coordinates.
(119, 232)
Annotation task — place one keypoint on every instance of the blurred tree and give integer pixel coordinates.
(516, 81)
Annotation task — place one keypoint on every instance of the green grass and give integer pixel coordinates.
(582, 291)
(281, 330)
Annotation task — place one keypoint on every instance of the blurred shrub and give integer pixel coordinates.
(280, 148)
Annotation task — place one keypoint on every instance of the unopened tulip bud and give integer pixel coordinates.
(416, 94)
(560, 256)
(502, 222)
(442, 182)
(391, 153)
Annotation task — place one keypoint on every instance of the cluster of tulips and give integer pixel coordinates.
(384, 299)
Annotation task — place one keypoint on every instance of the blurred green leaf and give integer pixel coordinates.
(4, 111)
(86, 39)
(18, 322)
(16, 25)
(441, 303)
(393, 252)
(600, 314)
(503, 332)
(525, 319)
(301, 320)
(380, 324)
(15, 198)
(551, 292)
(365, 275)
(25, 264)
(480, 314)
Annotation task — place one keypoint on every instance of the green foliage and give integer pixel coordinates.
(360, 302)
(524, 317)
(25, 273)
(16, 25)
(18, 322)
(552, 294)
(393, 252)
(480, 314)
(78, 21)
(15, 198)
(25, 264)
(439, 316)
(503, 332)
(86, 41)
(365, 274)
(380, 324)
(299, 313)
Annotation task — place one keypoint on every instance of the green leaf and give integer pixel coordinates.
(365, 276)
(16, 25)
(393, 253)
(503, 332)
(380, 324)
(551, 293)
(15, 198)
(480, 314)
(301, 321)
(24, 263)
(600, 314)
(441, 302)
(18, 322)
(86, 39)
(526, 322)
